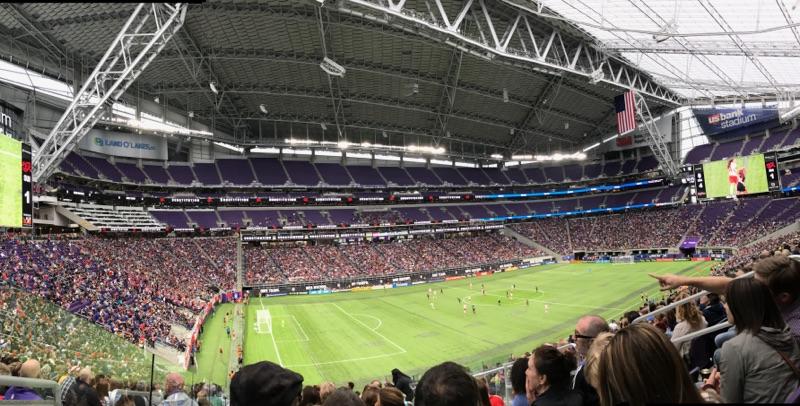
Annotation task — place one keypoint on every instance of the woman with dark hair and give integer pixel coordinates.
(639, 365)
(403, 382)
(390, 397)
(343, 397)
(548, 377)
(370, 395)
(310, 396)
(759, 364)
(518, 382)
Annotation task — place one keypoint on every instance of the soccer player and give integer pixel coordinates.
(483, 291)
(546, 308)
(473, 309)
(537, 289)
(433, 306)
(498, 302)
(459, 300)
(465, 308)
(527, 303)
(441, 290)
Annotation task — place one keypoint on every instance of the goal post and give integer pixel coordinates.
(264, 321)
(622, 259)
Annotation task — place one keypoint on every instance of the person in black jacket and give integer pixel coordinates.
(403, 382)
(713, 312)
(83, 394)
(548, 378)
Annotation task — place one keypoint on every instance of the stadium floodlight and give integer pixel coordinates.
(265, 150)
(191, 114)
(505, 95)
(343, 144)
(263, 108)
(324, 127)
(496, 156)
(591, 147)
(521, 157)
(229, 147)
(157, 100)
(213, 87)
(611, 138)
(332, 68)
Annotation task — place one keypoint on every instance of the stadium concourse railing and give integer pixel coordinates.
(32, 383)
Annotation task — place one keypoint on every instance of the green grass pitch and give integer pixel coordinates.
(359, 336)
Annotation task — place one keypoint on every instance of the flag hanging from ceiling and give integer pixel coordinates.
(626, 112)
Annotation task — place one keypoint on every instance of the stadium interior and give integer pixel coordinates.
(360, 202)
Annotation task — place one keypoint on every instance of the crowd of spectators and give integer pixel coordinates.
(317, 262)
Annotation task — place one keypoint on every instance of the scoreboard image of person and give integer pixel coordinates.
(16, 208)
(735, 177)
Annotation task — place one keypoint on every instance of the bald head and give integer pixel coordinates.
(586, 329)
(86, 375)
(173, 383)
(30, 369)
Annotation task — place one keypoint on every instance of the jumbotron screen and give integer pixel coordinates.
(16, 200)
(736, 176)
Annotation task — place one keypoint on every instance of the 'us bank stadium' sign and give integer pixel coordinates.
(10, 120)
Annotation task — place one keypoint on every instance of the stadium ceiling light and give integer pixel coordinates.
(521, 157)
(263, 108)
(324, 127)
(496, 156)
(343, 144)
(611, 138)
(591, 147)
(229, 147)
(213, 87)
(265, 150)
(505, 95)
(332, 68)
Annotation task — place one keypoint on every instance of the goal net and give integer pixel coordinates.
(622, 259)
(264, 321)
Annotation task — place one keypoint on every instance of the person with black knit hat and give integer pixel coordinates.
(266, 384)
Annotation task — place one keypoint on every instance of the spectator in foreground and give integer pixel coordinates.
(446, 384)
(486, 398)
(343, 396)
(84, 392)
(689, 320)
(548, 377)
(28, 369)
(640, 366)
(592, 359)
(518, 382)
(756, 366)
(173, 390)
(310, 396)
(403, 382)
(325, 389)
(266, 383)
(370, 395)
(587, 328)
(390, 397)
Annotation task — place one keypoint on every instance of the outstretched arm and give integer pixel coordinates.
(716, 284)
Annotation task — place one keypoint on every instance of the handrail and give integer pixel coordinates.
(6, 380)
(691, 336)
(682, 301)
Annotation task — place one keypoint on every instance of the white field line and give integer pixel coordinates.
(403, 350)
(544, 301)
(380, 322)
(274, 344)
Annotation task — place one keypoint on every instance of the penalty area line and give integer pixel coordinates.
(403, 350)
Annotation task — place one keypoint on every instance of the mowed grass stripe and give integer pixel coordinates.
(356, 336)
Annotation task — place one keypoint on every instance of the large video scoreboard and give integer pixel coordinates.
(737, 176)
(16, 194)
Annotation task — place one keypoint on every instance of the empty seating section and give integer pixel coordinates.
(81, 165)
(131, 172)
(591, 202)
(205, 218)
(315, 217)
(535, 175)
(611, 168)
(105, 168)
(301, 173)
(232, 218)
(341, 216)
(752, 145)
(396, 175)
(592, 171)
(790, 179)
(628, 167)
(554, 173)
(172, 218)
(450, 175)
(573, 172)
(565, 205)
(540, 207)
(646, 196)
(236, 171)
(619, 199)
(773, 141)
(366, 175)
(333, 174)
(475, 175)
(116, 218)
(496, 176)
(440, 214)
(791, 138)
(263, 218)
(181, 173)
(423, 175)
(515, 209)
(475, 211)
(412, 214)
(157, 174)
(269, 171)
(726, 150)
(207, 173)
(455, 213)
(698, 153)
(517, 176)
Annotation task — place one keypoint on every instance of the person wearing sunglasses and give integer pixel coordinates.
(587, 328)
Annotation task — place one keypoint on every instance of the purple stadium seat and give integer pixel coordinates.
(423, 175)
(535, 174)
(726, 150)
(131, 172)
(791, 139)
(315, 217)
(174, 219)
(541, 207)
(412, 214)
(232, 218)
(365, 175)
(449, 175)
(516, 176)
(236, 171)
(81, 165)
(269, 171)
(752, 145)
(475, 175)
(205, 218)
(156, 173)
(628, 166)
(516, 209)
(591, 202)
(106, 168)
(397, 175)
(207, 173)
(181, 173)
(333, 174)
(573, 172)
(301, 173)
(263, 218)
(647, 163)
(611, 168)
(554, 173)
(496, 176)
(592, 171)
(341, 216)
(698, 154)
(566, 205)
(440, 214)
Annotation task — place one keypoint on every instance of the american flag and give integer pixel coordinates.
(626, 112)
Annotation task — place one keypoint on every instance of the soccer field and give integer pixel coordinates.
(359, 336)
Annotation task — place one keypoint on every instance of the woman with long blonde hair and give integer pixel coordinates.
(689, 320)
